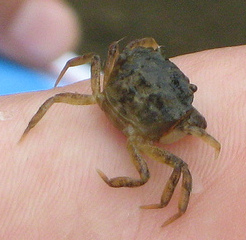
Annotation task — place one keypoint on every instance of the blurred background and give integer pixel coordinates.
(182, 26)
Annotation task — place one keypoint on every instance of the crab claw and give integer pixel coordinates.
(202, 134)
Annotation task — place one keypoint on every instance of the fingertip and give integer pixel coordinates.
(40, 32)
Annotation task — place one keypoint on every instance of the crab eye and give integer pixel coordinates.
(193, 87)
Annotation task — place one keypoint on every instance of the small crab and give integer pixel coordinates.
(149, 99)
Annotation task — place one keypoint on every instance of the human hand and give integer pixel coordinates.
(35, 32)
(49, 187)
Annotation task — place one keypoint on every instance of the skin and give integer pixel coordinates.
(32, 31)
(50, 188)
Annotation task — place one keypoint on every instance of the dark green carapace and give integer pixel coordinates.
(149, 91)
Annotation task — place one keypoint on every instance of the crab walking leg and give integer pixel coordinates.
(70, 98)
(143, 42)
(113, 53)
(201, 133)
(184, 196)
(140, 165)
(168, 190)
(80, 60)
(95, 75)
(179, 167)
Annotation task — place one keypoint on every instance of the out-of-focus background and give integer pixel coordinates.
(182, 26)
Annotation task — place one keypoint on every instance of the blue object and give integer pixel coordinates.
(16, 78)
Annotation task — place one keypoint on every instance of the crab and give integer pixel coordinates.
(149, 99)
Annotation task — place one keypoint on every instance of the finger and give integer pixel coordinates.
(220, 76)
(219, 185)
(36, 32)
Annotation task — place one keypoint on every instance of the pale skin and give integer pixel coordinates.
(50, 188)
(49, 182)
(32, 31)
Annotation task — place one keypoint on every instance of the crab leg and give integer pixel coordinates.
(140, 165)
(179, 166)
(70, 98)
(143, 42)
(113, 53)
(80, 60)
(201, 133)
(168, 190)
